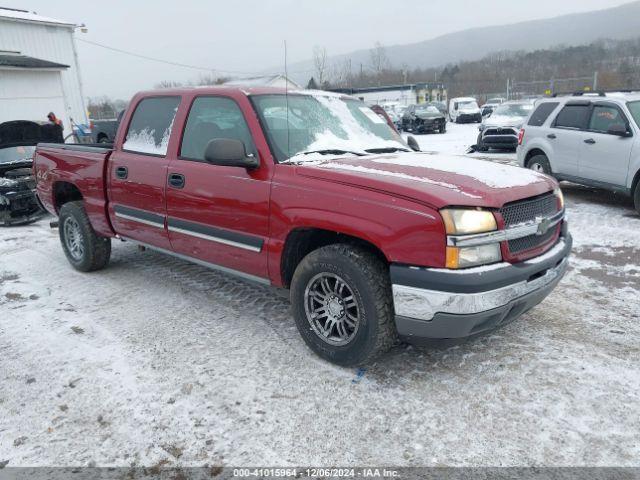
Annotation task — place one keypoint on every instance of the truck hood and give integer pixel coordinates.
(503, 121)
(434, 179)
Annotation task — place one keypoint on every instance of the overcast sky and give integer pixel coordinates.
(248, 35)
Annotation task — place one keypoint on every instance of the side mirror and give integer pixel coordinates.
(620, 130)
(228, 152)
(413, 143)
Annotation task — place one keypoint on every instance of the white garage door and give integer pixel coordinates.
(30, 95)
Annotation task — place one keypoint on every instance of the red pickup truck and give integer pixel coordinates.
(314, 192)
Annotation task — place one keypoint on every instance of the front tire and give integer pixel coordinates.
(636, 197)
(480, 147)
(85, 250)
(539, 163)
(342, 304)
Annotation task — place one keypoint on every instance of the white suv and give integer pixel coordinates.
(591, 139)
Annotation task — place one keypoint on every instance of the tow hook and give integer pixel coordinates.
(54, 224)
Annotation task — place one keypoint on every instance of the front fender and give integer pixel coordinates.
(404, 231)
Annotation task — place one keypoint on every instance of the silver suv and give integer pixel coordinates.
(500, 128)
(592, 139)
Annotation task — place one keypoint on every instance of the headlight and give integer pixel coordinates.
(459, 221)
(558, 193)
(463, 257)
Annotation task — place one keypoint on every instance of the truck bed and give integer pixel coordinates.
(74, 172)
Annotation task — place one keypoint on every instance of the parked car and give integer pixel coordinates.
(374, 241)
(423, 118)
(586, 139)
(500, 129)
(18, 138)
(490, 105)
(464, 109)
(104, 131)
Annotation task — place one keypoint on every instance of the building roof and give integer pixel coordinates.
(31, 17)
(388, 88)
(259, 81)
(15, 60)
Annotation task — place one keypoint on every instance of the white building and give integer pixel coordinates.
(399, 94)
(39, 70)
(264, 81)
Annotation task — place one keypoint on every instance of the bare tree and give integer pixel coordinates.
(379, 60)
(211, 79)
(168, 84)
(320, 63)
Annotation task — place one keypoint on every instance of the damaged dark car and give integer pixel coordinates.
(18, 140)
(423, 119)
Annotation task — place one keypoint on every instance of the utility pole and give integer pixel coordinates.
(595, 80)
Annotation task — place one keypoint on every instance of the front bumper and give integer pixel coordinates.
(440, 303)
(469, 117)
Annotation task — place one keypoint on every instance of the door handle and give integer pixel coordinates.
(122, 172)
(551, 136)
(176, 180)
(590, 141)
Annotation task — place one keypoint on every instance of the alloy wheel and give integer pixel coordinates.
(331, 309)
(73, 238)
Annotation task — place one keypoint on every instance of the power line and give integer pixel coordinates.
(177, 64)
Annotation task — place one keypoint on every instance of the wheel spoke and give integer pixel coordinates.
(349, 302)
(342, 331)
(326, 288)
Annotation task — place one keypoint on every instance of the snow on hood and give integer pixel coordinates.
(503, 121)
(437, 179)
(494, 175)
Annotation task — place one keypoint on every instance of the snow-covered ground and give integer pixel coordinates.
(154, 361)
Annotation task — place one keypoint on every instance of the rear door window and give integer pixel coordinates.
(151, 124)
(211, 118)
(573, 116)
(540, 115)
(604, 117)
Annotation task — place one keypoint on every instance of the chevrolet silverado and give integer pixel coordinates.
(313, 192)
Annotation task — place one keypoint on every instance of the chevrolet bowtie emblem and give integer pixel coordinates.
(544, 224)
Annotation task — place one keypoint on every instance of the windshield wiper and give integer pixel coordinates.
(331, 151)
(386, 150)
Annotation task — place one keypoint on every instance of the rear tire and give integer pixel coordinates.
(539, 163)
(85, 250)
(342, 304)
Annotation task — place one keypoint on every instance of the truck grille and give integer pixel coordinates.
(524, 211)
(500, 131)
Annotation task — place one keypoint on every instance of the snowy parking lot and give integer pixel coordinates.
(155, 361)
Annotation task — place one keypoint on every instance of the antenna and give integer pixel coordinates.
(286, 97)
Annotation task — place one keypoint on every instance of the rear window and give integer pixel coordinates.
(573, 116)
(150, 127)
(540, 115)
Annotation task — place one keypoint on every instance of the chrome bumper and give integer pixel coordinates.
(425, 303)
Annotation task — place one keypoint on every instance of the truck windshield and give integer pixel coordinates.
(16, 154)
(634, 108)
(301, 127)
(521, 110)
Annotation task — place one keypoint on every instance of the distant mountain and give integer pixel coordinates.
(575, 29)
